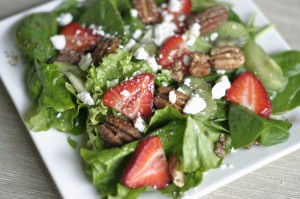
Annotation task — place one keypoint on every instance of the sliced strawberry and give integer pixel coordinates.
(148, 166)
(78, 37)
(133, 97)
(248, 91)
(172, 50)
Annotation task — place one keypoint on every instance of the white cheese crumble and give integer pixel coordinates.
(172, 97)
(58, 115)
(86, 98)
(221, 72)
(174, 5)
(195, 105)
(214, 36)
(141, 54)
(134, 12)
(163, 31)
(191, 34)
(186, 60)
(130, 44)
(187, 82)
(219, 89)
(85, 61)
(137, 34)
(58, 42)
(125, 93)
(181, 90)
(64, 19)
(140, 124)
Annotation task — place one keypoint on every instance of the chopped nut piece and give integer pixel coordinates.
(176, 71)
(117, 131)
(104, 47)
(227, 57)
(147, 10)
(72, 57)
(220, 147)
(177, 175)
(209, 19)
(199, 66)
(162, 99)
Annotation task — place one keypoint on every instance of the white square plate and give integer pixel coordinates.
(64, 163)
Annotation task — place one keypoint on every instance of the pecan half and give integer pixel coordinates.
(227, 57)
(176, 71)
(220, 147)
(162, 99)
(104, 47)
(199, 64)
(147, 10)
(174, 168)
(117, 131)
(209, 19)
(72, 57)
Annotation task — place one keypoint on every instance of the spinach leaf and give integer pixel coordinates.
(289, 62)
(277, 132)
(289, 97)
(245, 126)
(33, 35)
(104, 13)
(34, 84)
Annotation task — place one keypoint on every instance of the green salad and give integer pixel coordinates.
(158, 91)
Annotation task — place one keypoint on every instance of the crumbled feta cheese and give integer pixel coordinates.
(141, 54)
(181, 18)
(130, 44)
(113, 82)
(125, 93)
(86, 98)
(153, 64)
(191, 34)
(181, 90)
(219, 89)
(187, 82)
(85, 61)
(64, 19)
(137, 34)
(58, 42)
(140, 124)
(58, 115)
(214, 36)
(195, 105)
(163, 31)
(174, 5)
(172, 97)
(221, 72)
(134, 12)
(186, 60)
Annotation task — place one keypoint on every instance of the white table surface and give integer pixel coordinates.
(24, 175)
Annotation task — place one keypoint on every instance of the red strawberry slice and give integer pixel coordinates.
(248, 91)
(78, 37)
(172, 50)
(133, 97)
(148, 166)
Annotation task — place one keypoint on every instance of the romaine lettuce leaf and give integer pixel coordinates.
(114, 67)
